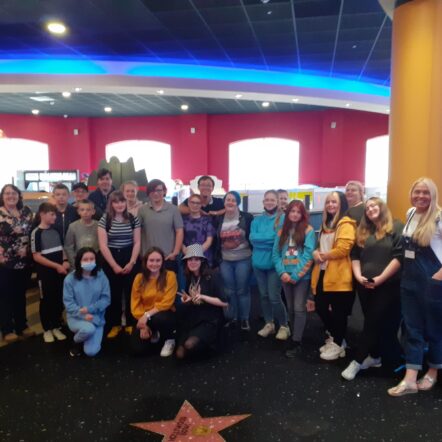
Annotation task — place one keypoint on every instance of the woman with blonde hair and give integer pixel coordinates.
(130, 192)
(375, 260)
(354, 194)
(421, 288)
(332, 279)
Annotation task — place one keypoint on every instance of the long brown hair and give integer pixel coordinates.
(161, 281)
(115, 196)
(298, 228)
(383, 227)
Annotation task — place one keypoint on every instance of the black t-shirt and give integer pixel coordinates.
(356, 212)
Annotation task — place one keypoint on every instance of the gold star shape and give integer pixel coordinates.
(188, 425)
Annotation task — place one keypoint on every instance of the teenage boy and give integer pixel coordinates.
(104, 188)
(66, 214)
(52, 266)
(81, 193)
(162, 225)
(209, 204)
(83, 232)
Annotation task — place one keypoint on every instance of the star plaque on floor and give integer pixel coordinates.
(188, 425)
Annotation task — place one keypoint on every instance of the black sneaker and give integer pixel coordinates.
(76, 351)
(294, 350)
(245, 325)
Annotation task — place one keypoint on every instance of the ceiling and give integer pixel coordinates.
(332, 39)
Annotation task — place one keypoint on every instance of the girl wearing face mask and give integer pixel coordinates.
(293, 260)
(86, 294)
(376, 261)
(332, 278)
(262, 237)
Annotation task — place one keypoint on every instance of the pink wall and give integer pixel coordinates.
(328, 156)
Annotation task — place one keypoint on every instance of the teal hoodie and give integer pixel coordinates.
(262, 236)
(298, 266)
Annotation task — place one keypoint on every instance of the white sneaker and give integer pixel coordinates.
(371, 362)
(48, 337)
(283, 333)
(328, 341)
(334, 351)
(268, 329)
(168, 348)
(351, 371)
(58, 334)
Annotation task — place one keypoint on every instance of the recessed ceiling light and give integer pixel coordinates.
(295, 100)
(56, 27)
(107, 109)
(77, 89)
(265, 104)
(347, 104)
(269, 12)
(161, 92)
(35, 111)
(184, 107)
(65, 115)
(66, 94)
(238, 96)
(354, 46)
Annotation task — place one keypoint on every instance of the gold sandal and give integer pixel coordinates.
(426, 383)
(402, 389)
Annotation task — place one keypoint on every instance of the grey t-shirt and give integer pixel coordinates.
(80, 235)
(158, 228)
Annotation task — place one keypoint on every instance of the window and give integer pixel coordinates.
(263, 163)
(21, 155)
(152, 156)
(376, 164)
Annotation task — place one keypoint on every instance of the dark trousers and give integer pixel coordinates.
(377, 305)
(163, 322)
(51, 298)
(13, 285)
(120, 287)
(334, 308)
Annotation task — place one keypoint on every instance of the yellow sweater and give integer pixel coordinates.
(146, 297)
(338, 276)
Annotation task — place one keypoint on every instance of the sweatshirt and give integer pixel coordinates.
(262, 236)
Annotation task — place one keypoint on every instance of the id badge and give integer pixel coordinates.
(410, 254)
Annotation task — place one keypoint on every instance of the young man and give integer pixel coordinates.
(161, 224)
(81, 193)
(83, 232)
(104, 188)
(209, 205)
(52, 266)
(66, 214)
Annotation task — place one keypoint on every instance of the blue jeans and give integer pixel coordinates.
(88, 333)
(236, 278)
(269, 286)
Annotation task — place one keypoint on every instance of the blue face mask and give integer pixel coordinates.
(88, 266)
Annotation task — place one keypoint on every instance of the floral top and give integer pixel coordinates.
(15, 252)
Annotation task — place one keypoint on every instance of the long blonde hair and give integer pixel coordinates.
(383, 227)
(427, 224)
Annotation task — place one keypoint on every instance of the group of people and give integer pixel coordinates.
(112, 262)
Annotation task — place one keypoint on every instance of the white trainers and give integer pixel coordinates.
(325, 347)
(48, 337)
(58, 334)
(371, 362)
(283, 333)
(268, 329)
(351, 371)
(168, 348)
(334, 351)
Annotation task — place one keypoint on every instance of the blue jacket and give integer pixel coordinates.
(262, 236)
(93, 293)
(300, 265)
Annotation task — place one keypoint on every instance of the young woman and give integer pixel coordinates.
(262, 237)
(200, 314)
(354, 194)
(130, 192)
(421, 288)
(375, 261)
(119, 240)
(198, 229)
(293, 260)
(236, 264)
(152, 303)
(332, 278)
(86, 295)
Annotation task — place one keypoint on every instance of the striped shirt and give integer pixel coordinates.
(121, 233)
